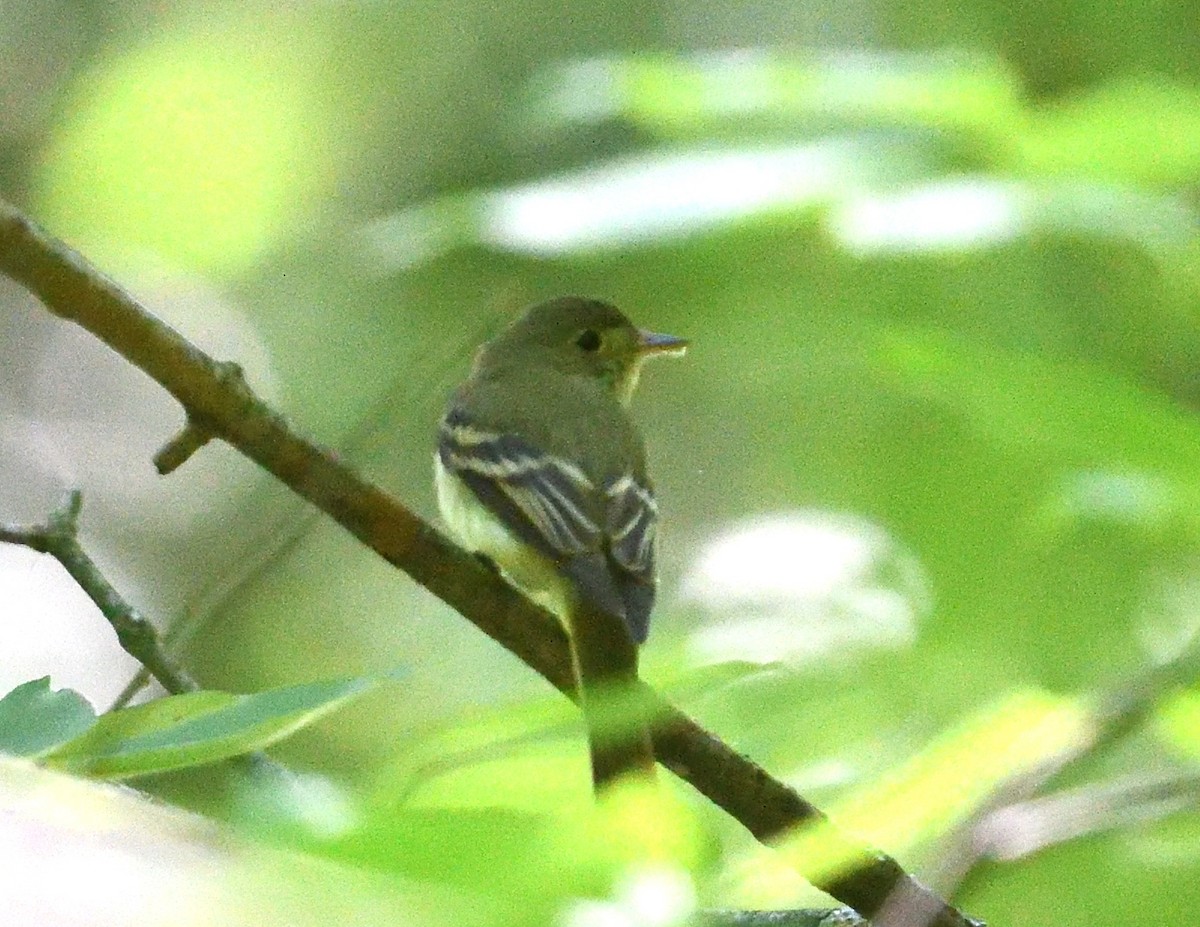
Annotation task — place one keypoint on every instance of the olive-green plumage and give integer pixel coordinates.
(541, 468)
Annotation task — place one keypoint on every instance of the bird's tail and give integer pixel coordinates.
(606, 666)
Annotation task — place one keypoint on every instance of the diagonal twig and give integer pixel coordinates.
(137, 636)
(796, 917)
(220, 404)
(1024, 828)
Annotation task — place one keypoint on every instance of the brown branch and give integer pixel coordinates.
(217, 402)
(135, 633)
(176, 452)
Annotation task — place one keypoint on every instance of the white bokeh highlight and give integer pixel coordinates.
(945, 216)
(649, 896)
(51, 628)
(661, 195)
(802, 586)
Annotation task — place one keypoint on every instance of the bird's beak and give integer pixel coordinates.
(654, 344)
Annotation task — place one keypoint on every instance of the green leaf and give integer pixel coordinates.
(1179, 722)
(1079, 412)
(922, 799)
(218, 149)
(1139, 130)
(199, 727)
(35, 718)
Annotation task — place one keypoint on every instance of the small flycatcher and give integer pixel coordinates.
(540, 468)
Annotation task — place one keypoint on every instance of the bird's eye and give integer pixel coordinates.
(589, 340)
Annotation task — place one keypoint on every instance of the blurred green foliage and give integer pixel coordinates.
(61, 730)
(196, 728)
(946, 282)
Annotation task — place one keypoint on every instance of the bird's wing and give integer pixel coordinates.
(548, 502)
(631, 522)
(544, 499)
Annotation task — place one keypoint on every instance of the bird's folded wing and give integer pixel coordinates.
(544, 499)
(631, 520)
(630, 524)
(549, 503)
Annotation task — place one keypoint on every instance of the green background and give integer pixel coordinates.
(941, 272)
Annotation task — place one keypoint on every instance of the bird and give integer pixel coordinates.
(541, 470)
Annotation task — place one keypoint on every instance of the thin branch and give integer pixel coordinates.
(1117, 712)
(136, 684)
(221, 404)
(796, 917)
(59, 538)
(1025, 828)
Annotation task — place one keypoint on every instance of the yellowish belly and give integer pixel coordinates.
(478, 530)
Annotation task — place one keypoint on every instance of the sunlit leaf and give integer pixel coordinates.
(640, 822)
(956, 773)
(1179, 722)
(528, 864)
(1140, 130)
(486, 758)
(497, 853)
(715, 92)
(921, 799)
(200, 147)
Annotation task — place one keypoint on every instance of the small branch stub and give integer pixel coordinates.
(175, 453)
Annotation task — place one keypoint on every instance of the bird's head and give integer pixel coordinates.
(582, 336)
